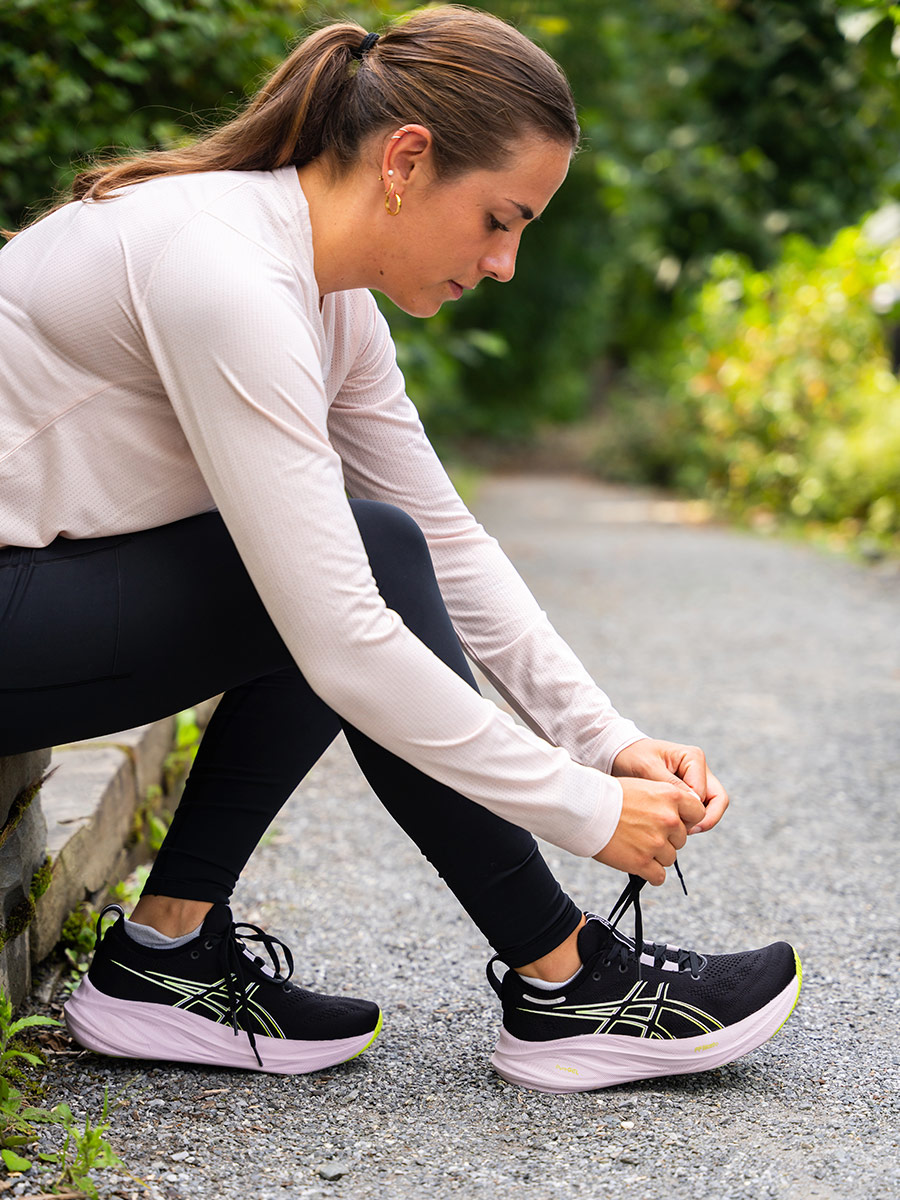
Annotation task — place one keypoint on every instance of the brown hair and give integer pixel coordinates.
(474, 81)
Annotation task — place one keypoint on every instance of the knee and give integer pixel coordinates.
(393, 541)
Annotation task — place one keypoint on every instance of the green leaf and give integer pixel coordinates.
(15, 1162)
(30, 1022)
(37, 1114)
(34, 1059)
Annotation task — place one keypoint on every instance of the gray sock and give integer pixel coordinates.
(146, 935)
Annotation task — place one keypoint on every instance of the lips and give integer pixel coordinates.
(456, 288)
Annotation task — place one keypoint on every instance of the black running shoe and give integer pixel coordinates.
(674, 1012)
(212, 1001)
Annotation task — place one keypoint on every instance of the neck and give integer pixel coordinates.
(342, 215)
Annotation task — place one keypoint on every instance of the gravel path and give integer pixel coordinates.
(785, 665)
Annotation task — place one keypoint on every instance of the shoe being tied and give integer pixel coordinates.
(212, 1001)
(624, 1018)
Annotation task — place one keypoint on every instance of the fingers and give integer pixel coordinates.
(669, 793)
(717, 802)
(652, 828)
(691, 767)
(654, 873)
(691, 810)
(654, 870)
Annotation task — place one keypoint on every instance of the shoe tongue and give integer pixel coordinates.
(217, 920)
(595, 935)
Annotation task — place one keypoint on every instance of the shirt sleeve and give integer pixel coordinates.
(238, 347)
(387, 456)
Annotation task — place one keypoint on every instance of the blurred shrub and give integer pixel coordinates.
(709, 125)
(79, 77)
(775, 394)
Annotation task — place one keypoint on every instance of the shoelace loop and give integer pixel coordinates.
(234, 938)
(622, 950)
(619, 953)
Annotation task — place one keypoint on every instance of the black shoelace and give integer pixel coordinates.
(621, 952)
(235, 960)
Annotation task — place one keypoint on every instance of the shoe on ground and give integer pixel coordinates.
(674, 1013)
(212, 1001)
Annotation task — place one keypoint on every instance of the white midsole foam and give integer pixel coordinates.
(589, 1061)
(135, 1029)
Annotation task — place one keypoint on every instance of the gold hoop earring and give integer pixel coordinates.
(390, 195)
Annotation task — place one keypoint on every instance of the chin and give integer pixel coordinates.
(419, 306)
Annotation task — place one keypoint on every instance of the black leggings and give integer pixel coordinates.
(112, 632)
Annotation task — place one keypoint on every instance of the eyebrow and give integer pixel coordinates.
(526, 212)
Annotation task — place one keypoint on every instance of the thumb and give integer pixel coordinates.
(691, 808)
(695, 778)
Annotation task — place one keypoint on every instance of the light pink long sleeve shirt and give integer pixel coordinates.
(163, 353)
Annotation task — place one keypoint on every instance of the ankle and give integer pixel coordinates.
(169, 915)
(561, 963)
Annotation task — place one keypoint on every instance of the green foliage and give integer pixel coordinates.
(178, 762)
(81, 928)
(187, 731)
(81, 77)
(778, 394)
(83, 1150)
(150, 827)
(16, 1130)
(709, 125)
(78, 939)
(128, 891)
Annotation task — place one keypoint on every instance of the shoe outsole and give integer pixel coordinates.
(136, 1029)
(590, 1061)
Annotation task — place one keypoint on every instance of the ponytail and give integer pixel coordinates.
(476, 82)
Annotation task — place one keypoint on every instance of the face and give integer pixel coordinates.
(449, 236)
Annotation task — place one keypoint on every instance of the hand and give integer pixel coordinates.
(653, 827)
(669, 762)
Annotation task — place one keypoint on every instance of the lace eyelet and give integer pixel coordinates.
(596, 976)
(195, 954)
(623, 970)
(286, 987)
(207, 945)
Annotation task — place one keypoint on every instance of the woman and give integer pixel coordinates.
(195, 376)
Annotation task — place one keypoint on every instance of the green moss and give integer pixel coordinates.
(23, 913)
(79, 931)
(19, 919)
(42, 879)
(20, 807)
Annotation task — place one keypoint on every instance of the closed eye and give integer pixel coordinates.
(495, 224)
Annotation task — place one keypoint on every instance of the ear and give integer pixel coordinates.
(406, 152)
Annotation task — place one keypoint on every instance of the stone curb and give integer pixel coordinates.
(97, 802)
(23, 836)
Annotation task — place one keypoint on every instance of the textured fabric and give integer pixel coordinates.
(183, 586)
(608, 996)
(165, 353)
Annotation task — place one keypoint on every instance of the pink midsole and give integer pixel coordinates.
(134, 1029)
(588, 1061)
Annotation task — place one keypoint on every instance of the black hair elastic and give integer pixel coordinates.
(365, 45)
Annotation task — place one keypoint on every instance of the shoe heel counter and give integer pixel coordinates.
(520, 1018)
(102, 967)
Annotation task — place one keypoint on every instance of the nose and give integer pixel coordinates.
(500, 263)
